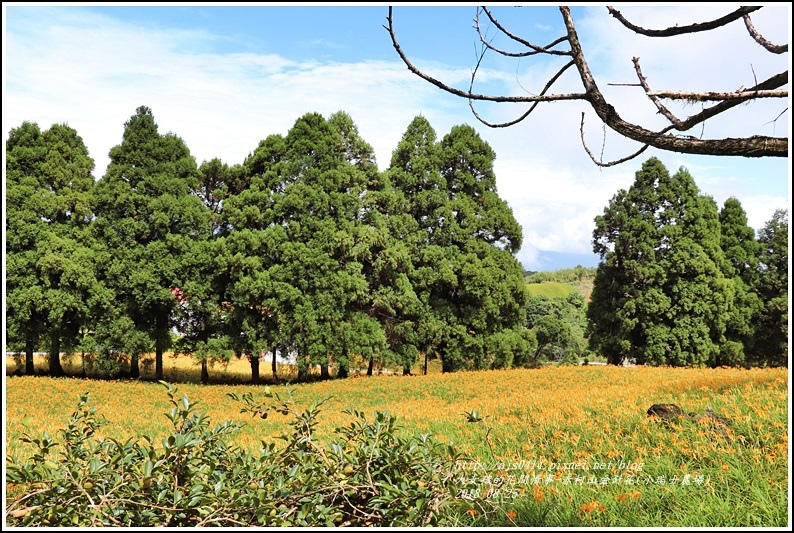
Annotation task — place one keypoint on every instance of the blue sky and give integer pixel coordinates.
(225, 77)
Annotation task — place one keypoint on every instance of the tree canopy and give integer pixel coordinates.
(50, 278)
(676, 281)
(773, 288)
(470, 284)
(307, 251)
(147, 222)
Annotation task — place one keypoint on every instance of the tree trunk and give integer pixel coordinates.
(537, 355)
(343, 372)
(56, 370)
(273, 365)
(161, 330)
(324, 373)
(303, 369)
(135, 371)
(205, 375)
(254, 358)
(371, 366)
(29, 347)
(424, 370)
(406, 370)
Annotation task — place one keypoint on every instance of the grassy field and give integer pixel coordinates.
(572, 446)
(550, 289)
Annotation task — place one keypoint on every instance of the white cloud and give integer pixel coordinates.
(222, 105)
(93, 72)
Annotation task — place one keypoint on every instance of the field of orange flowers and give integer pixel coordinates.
(558, 446)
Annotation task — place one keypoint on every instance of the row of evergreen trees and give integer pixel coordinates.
(683, 283)
(305, 249)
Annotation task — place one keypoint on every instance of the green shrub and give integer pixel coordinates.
(571, 358)
(367, 475)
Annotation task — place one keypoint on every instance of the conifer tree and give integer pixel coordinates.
(741, 267)
(462, 238)
(299, 243)
(771, 330)
(52, 293)
(147, 222)
(251, 260)
(660, 295)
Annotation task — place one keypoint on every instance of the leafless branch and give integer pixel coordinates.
(528, 111)
(534, 49)
(750, 146)
(737, 97)
(644, 83)
(744, 94)
(470, 95)
(680, 30)
(600, 162)
(774, 48)
(778, 80)
(774, 120)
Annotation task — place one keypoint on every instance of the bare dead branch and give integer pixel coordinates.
(774, 120)
(470, 95)
(743, 95)
(532, 107)
(774, 48)
(699, 97)
(680, 30)
(751, 146)
(535, 49)
(600, 162)
(778, 80)
(755, 146)
(644, 83)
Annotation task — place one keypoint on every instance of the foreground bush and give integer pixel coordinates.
(366, 475)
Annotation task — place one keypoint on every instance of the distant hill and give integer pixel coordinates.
(560, 283)
(550, 289)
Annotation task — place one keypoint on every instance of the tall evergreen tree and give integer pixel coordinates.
(251, 260)
(416, 191)
(328, 169)
(203, 315)
(771, 331)
(480, 236)
(25, 151)
(741, 267)
(297, 248)
(51, 288)
(464, 272)
(147, 221)
(659, 295)
(369, 321)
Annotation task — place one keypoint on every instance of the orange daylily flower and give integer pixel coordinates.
(591, 506)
